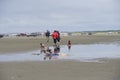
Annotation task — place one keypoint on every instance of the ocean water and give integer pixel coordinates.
(85, 53)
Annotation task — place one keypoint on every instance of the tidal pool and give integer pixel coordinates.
(86, 53)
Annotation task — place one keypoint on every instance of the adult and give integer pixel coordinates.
(47, 34)
(55, 36)
(58, 38)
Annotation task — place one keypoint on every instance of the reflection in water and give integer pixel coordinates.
(78, 52)
(56, 49)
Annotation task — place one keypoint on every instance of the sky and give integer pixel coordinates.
(62, 15)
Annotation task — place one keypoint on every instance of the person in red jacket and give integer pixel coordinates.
(55, 37)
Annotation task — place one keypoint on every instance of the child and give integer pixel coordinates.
(42, 47)
(47, 54)
(69, 44)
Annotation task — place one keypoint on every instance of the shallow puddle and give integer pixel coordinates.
(86, 53)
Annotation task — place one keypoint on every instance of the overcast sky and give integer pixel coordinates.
(63, 15)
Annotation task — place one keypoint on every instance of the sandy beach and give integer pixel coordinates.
(107, 69)
(60, 70)
(21, 44)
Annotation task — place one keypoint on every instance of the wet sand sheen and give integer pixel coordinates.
(20, 44)
(85, 53)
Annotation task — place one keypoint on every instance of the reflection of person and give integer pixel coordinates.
(47, 34)
(57, 49)
(69, 44)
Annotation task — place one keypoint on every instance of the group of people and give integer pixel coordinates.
(55, 35)
(47, 52)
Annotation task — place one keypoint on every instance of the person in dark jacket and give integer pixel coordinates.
(58, 38)
(47, 34)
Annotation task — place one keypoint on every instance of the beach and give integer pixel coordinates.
(106, 69)
(60, 70)
(22, 44)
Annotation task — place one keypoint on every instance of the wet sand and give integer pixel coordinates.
(20, 44)
(60, 70)
(57, 69)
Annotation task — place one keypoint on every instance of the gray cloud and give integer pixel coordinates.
(21, 14)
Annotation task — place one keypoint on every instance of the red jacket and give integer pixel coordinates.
(55, 35)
